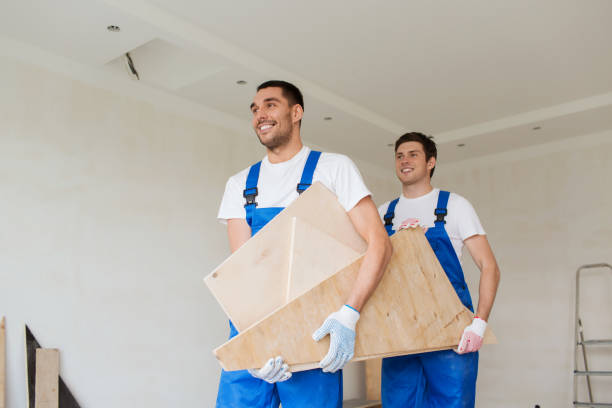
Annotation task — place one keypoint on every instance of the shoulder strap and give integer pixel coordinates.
(390, 214)
(250, 191)
(440, 212)
(309, 168)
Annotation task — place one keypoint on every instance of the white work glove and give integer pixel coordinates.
(340, 326)
(471, 340)
(275, 370)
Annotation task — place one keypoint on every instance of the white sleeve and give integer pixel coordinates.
(468, 222)
(232, 204)
(348, 183)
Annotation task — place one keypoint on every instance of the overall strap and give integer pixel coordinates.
(250, 192)
(309, 168)
(440, 212)
(389, 216)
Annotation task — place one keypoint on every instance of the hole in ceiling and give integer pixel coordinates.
(113, 28)
(241, 82)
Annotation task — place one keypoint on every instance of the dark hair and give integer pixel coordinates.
(429, 146)
(290, 91)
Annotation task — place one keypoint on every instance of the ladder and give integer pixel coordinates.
(580, 342)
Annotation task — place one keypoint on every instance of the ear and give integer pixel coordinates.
(431, 163)
(297, 113)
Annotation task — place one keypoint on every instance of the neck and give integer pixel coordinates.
(417, 189)
(287, 151)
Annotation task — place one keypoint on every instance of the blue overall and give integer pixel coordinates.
(312, 388)
(440, 379)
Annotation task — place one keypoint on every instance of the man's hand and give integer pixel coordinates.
(340, 326)
(471, 340)
(275, 370)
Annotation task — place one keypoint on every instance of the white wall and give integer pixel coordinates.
(546, 211)
(108, 227)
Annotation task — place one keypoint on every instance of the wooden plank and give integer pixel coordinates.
(2, 364)
(414, 309)
(252, 282)
(47, 378)
(373, 378)
(311, 264)
(66, 399)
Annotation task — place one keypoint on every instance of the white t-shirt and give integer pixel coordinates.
(461, 220)
(278, 181)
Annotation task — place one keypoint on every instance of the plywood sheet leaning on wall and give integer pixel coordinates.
(47, 378)
(253, 281)
(65, 397)
(414, 309)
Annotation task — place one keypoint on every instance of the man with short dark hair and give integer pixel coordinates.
(442, 379)
(252, 198)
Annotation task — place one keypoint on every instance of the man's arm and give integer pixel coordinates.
(238, 232)
(340, 325)
(481, 252)
(367, 222)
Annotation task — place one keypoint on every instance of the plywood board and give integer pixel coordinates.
(252, 282)
(47, 378)
(373, 378)
(66, 399)
(2, 364)
(414, 309)
(314, 257)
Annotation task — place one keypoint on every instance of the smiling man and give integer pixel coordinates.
(443, 379)
(257, 194)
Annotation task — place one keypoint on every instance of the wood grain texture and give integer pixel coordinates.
(252, 282)
(373, 378)
(414, 309)
(315, 256)
(2, 363)
(47, 378)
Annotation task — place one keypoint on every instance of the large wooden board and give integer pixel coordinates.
(252, 282)
(47, 378)
(2, 364)
(414, 309)
(314, 257)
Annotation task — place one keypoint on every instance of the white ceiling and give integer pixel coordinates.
(479, 73)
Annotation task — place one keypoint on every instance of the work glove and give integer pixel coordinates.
(471, 340)
(410, 223)
(340, 326)
(275, 370)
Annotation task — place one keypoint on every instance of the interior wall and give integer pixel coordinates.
(108, 227)
(546, 212)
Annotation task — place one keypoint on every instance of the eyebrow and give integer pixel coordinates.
(411, 151)
(266, 100)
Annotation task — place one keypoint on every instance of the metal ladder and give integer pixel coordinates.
(581, 343)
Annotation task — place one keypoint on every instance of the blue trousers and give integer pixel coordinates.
(439, 379)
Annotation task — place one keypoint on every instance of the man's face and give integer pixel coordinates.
(273, 118)
(411, 165)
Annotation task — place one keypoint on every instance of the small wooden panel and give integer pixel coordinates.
(315, 256)
(414, 309)
(2, 364)
(252, 282)
(66, 399)
(373, 378)
(47, 378)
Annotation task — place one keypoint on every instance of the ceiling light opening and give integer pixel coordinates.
(241, 82)
(461, 145)
(327, 118)
(536, 128)
(113, 28)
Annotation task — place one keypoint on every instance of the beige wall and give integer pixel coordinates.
(108, 226)
(546, 211)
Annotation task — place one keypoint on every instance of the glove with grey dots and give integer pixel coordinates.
(340, 326)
